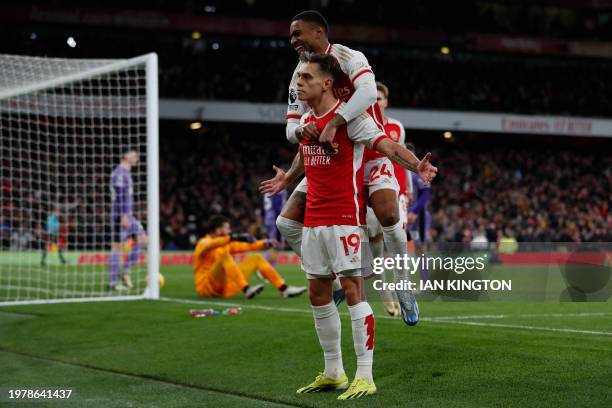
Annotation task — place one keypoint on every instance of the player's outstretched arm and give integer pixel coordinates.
(282, 179)
(405, 158)
(207, 244)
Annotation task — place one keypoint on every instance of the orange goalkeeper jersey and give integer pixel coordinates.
(212, 250)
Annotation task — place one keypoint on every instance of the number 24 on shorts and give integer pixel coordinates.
(351, 241)
(374, 173)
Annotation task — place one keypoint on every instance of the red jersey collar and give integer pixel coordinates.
(338, 102)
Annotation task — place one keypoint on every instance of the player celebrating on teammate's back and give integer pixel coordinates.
(123, 222)
(356, 86)
(334, 219)
(395, 131)
(215, 272)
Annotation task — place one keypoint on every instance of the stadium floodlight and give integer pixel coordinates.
(195, 125)
(64, 126)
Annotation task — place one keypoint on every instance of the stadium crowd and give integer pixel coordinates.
(545, 196)
(221, 178)
(256, 71)
(531, 195)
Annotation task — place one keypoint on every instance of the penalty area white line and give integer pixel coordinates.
(426, 319)
(505, 316)
(523, 327)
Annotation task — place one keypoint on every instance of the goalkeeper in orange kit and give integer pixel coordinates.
(217, 274)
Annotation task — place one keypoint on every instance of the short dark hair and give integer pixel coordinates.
(327, 63)
(312, 16)
(217, 221)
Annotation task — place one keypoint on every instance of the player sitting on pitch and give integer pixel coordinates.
(215, 272)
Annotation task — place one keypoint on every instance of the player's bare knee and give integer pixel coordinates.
(387, 213)
(295, 207)
(385, 206)
(320, 291)
(352, 291)
(352, 295)
(389, 218)
(319, 298)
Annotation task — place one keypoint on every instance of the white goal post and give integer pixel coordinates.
(65, 126)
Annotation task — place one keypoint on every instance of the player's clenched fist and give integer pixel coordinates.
(307, 132)
(327, 138)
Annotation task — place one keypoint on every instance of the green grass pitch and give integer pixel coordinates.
(152, 353)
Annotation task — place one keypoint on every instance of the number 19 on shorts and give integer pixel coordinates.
(351, 244)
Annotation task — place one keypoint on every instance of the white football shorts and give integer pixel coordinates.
(379, 175)
(334, 249)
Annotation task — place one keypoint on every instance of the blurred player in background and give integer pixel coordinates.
(215, 272)
(52, 236)
(395, 131)
(124, 224)
(334, 220)
(273, 205)
(357, 87)
(419, 218)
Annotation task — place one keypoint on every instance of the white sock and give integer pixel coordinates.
(292, 232)
(327, 324)
(362, 321)
(397, 244)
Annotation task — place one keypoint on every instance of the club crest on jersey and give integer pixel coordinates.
(394, 135)
(292, 95)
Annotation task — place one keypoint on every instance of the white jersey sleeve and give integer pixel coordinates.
(355, 65)
(363, 130)
(352, 62)
(295, 108)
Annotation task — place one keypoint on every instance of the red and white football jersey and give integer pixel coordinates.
(353, 64)
(335, 195)
(395, 131)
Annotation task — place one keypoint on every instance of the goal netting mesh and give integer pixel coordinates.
(65, 125)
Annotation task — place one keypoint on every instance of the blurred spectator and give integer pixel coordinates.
(561, 196)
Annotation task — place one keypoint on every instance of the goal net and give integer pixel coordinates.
(65, 127)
